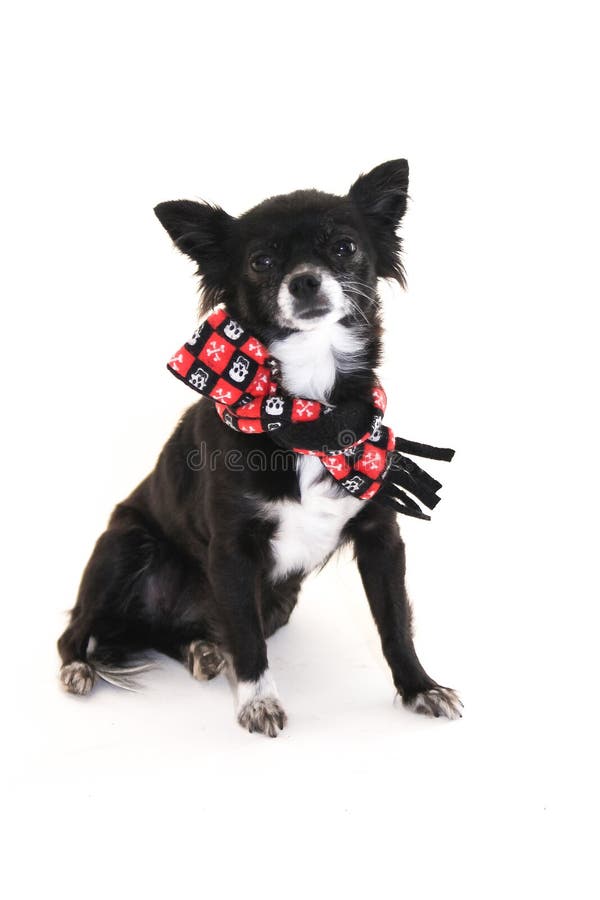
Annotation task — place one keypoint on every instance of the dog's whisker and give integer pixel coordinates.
(361, 284)
(354, 305)
(357, 309)
(352, 294)
(361, 294)
(356, 288)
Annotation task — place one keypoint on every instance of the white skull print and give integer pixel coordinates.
(274, 406)
(232, 330)
(199, 378)
(353, 484)
(376, 428)
(239, 368)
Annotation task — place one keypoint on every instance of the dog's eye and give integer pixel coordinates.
(344, 247)
(261, 262)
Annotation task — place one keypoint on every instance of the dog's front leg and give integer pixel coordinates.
(234, 578)
(381, 561)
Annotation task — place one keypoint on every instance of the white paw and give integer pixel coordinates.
(265, 715)
(438, 701)
(259, 708)
(77, 677)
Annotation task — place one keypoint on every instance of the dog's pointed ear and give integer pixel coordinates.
(380, 197)
(207, 234)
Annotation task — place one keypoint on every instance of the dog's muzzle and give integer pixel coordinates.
(308, 294)
(308, 302)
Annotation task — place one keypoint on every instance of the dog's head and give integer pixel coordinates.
(298, 260)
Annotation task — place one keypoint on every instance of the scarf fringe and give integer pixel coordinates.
(426, 450)
(420, 490)
(405, 473)
(407, 508)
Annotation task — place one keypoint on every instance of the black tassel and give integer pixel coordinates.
(415, 449)
(416, 487)
(394, 491)
(410, 466)
(405, 473)
(408, 509)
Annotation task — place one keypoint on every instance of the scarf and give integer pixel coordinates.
(225, 363)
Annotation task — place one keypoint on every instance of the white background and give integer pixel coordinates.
(113, 107)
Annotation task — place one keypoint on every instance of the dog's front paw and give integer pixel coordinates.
(437, 701)
(263, 714)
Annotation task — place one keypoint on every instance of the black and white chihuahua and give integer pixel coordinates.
(204, 563)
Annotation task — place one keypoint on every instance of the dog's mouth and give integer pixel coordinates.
(315, 312)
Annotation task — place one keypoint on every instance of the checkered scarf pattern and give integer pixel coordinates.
(225, 363)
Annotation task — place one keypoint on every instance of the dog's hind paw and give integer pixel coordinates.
(437, 701)
(263, 714)
(77, 677)
(204, 660)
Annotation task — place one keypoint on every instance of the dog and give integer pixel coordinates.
(204, 563)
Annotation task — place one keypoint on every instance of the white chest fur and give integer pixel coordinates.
(309, 360)
(309, 530)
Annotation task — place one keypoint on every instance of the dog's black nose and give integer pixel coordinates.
(305, 286)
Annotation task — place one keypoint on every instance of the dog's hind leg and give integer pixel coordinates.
(76, 674)
(202, 656)
(120, 558)
(203, 659)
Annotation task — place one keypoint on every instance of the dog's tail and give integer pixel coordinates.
(120, 666)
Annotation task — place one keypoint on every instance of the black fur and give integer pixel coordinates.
(186, 557)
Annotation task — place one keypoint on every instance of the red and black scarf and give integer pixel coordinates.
(224, 362)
